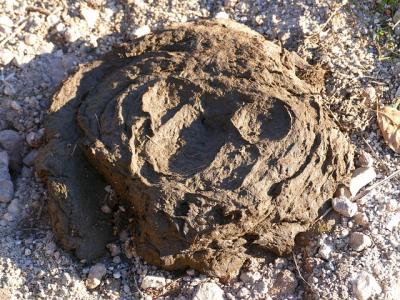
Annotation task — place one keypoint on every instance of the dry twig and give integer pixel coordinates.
(298, 271)
(38, 9)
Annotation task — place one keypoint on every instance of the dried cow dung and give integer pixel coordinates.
(209, 135)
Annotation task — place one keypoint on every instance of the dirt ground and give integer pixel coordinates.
(356, 42)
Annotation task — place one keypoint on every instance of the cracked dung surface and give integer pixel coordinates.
(211, 137)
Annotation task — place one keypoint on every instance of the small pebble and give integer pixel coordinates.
(393, 221)
(90, 15)
(141, 31)
(208, 291)
(344, 206)
(113, 249)
(6, 56)
(30, 39)
(359, 241)
(366, 286)
(155, 282)
(96, 273)
(222, 15)
(325, 251)
(361, 177)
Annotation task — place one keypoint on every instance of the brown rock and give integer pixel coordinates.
(211, 137)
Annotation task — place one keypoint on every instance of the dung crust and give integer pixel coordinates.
(210, 136)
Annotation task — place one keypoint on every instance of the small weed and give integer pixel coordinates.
(386, 41)
(387, 4)
(323, 227)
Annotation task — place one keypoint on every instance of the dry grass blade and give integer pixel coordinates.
(298, 271)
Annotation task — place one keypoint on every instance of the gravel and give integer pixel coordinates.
(38, 48)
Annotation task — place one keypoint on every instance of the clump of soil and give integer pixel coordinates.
(210, 136)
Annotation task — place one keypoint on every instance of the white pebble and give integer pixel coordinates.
(344, 206)
(361, 177)
(8, 217)
(72, 34)
(366, 286)
(90, 15)
(6, 24)
(370, 95)
(53, 20)
(208, 291)
(325, 251)
(141, 31)
(6, 56)
(30, 39)
(393, 221)
(392, 205)
(106, 209)
(222, 15)
(155, 282)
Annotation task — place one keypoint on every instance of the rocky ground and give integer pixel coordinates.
(353, 253)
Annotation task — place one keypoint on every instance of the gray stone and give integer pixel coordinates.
(13, 207)
(13, 143)
(35, 139)
(6, 190)
(4, 159)
(6, 185)
(29, 159)
(26, 172)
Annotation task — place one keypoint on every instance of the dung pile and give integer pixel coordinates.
(209, 135)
